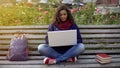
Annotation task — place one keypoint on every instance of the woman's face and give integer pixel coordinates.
(63, 15)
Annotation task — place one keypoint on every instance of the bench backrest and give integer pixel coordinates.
(95, 37)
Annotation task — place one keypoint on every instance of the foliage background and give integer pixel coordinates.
(41, 14)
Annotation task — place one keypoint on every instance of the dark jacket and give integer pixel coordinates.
(63, 49)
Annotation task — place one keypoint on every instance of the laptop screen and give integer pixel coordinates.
(62, 38)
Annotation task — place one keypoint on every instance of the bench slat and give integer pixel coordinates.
(79, 57)
(84, 31)
(46, 26)
(100, 36)
(5, 47)
(25, 27)
(99, 26)
(101, 41)
(29, 42)
(113, 65)
(32, 62)
(103, 31)
(91, 51)
(86, 52)
(25, 31)
(102, 45)
(30, 36)
(117, 40)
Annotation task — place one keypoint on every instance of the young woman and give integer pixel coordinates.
(63, 20)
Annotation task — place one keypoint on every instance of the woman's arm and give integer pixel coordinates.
(50, 28)
(79, 38)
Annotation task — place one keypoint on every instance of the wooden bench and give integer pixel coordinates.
(97, 39)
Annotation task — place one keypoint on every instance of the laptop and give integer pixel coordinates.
(62, 38)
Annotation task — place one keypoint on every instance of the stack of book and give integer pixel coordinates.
(103, 58)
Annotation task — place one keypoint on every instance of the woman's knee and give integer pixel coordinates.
(81, 46)
(41, 47)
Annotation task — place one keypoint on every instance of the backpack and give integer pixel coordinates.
(18, 49)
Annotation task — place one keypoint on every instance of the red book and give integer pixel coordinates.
(103, 56)
(103, 62)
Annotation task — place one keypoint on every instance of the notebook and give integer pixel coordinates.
(103, 58)
(62, 38)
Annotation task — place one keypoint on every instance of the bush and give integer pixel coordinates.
(28, 14)
(86, 15)
(25, 15)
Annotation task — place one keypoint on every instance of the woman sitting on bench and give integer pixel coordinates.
(63, 20)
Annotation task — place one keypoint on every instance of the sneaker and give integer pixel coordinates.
(73, 59)
(49, 61)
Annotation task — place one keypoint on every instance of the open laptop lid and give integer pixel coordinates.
(62, 38)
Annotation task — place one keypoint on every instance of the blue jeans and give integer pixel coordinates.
(47, 51)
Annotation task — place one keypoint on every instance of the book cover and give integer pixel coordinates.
(103, 56)
(109, 60)
(103, 62)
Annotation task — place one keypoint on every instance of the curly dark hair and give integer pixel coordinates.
(56, 19)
